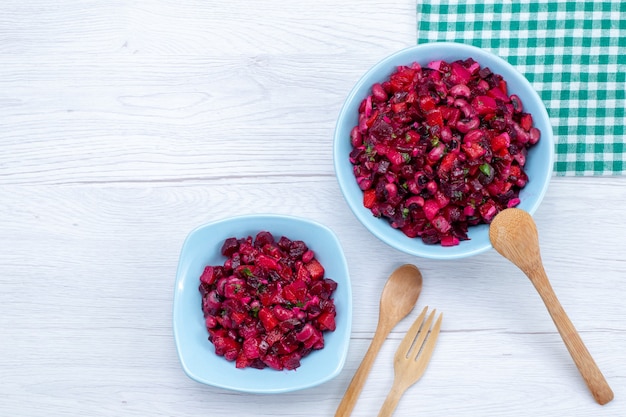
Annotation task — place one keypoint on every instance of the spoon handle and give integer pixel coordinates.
(587, 367)
(358, 380)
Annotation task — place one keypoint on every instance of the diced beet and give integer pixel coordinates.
(242, 361)
(235, 261)
(287, 344)
(210, 322)
(225, 321)
(251, 348)
(273, 336)
(208, 276)
(395, 157)
(449, 241)
(434, 118)
(302, 273)
(263, 238)
(441, 199)
(290, 324)
(267, 262)
(501, 141)
(315, 269)
(281, 313)
(271, 294)
(317, 288)
(308, 256)
(291, 361)
(273, 362)
(369, 198)
(297, 249)
(284, 243)
(250, 330)
(228, 347)
(474, 150)
(441, 224)
(230, 246)
(488, 211)
(234, 287)
(306, 332)
(431, 208)
(295, 292)
(314, 340)
(498, 94)
(211, 303)
(326, 321)
(330, 285)
(513, 202)
(268, 319)
(263, 346)
(459, 74)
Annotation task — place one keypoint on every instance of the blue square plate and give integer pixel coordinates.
(197, 355)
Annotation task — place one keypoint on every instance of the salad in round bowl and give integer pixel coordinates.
(262, 304)
(435, 140)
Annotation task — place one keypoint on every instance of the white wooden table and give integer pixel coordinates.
(125, 124)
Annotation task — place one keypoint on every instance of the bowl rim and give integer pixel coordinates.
(405, 56)
(292, 381)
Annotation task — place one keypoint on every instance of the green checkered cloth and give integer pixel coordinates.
(572, 52)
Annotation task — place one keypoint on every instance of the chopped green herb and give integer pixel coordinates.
(370, 152)
(485, 169)
(291, 305)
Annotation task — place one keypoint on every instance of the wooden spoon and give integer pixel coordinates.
(399, 296)
(513, 234)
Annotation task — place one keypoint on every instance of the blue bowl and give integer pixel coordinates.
(197, 355)
(539, 163)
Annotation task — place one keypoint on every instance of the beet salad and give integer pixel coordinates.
(441, 148)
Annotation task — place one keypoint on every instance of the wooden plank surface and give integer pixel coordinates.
(125, 124)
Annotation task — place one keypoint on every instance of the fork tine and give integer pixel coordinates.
(429, 346)
(407, 341)
(420, 336)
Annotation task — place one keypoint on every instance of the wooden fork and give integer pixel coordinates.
(412, 358)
